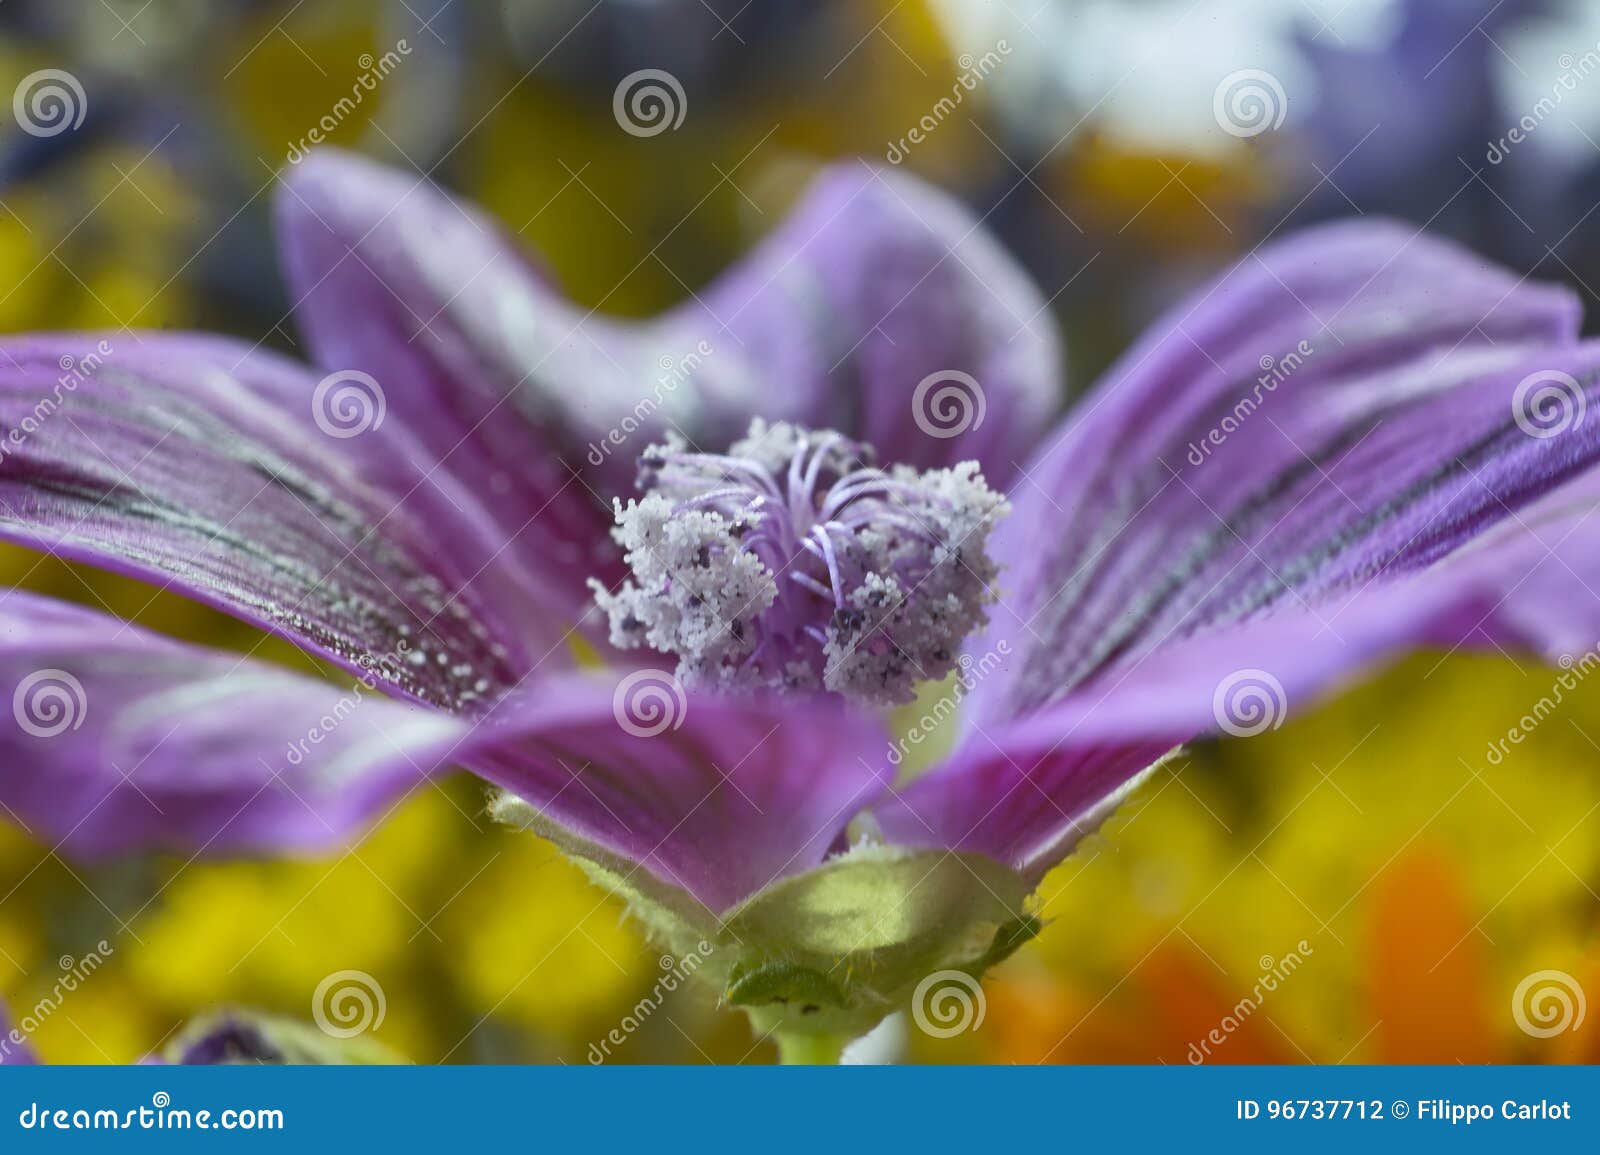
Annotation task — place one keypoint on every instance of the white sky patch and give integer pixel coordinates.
(1543, 53)
(1148, 72)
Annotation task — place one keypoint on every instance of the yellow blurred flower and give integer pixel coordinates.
(542, 947)
(1425, 881)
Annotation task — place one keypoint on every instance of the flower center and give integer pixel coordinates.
(792, 561)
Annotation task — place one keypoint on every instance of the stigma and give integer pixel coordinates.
(795, 562)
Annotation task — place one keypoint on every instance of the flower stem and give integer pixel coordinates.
(809, 1050)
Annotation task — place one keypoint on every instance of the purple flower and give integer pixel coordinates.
(229, 1037)
(1357, 441)
(14, 1048)
(236, 1036)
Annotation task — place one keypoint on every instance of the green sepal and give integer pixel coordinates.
(831, 951)
(1010, 938)
(866, 927)
(778, 982)
(822, 957)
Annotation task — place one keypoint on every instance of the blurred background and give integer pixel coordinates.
(1371, 883)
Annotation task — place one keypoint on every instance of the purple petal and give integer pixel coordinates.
(715, 796)
(119, 740)
(501, 381)
(875, 284)
(241, 1036)
(196, 463)
(1023, 797)
(113, 739)
(228, 1038)
(1025, 792)
(14, 1049)
(1186, 493)
(1150, 561)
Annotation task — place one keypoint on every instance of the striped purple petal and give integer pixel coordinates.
(713, 796)
(118, 740)
(1323, 459)
(200, 464)
(883, 309)
(874, 285)
(113, 739)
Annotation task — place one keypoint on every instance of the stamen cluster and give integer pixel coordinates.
(793, 561)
